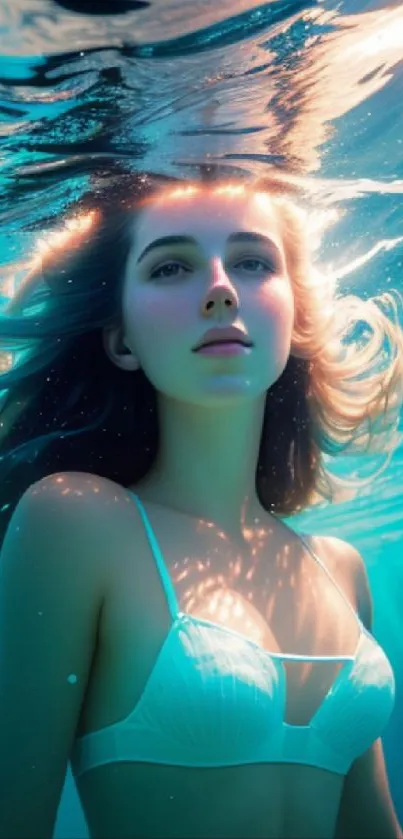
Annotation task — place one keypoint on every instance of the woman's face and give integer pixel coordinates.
(225, 267)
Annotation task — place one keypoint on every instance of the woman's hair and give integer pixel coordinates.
(67, 407)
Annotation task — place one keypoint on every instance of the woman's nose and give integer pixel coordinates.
(221, 293)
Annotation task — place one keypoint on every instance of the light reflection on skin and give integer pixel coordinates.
(248, 595)
(239, 593)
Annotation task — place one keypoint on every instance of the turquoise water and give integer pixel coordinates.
(314, 88)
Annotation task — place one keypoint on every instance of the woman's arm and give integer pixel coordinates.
(366, 810)
(49, 604)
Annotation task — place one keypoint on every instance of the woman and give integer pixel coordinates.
(209, 672)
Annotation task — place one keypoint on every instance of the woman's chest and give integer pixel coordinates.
(273, 596)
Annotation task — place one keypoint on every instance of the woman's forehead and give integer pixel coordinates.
(183, 209)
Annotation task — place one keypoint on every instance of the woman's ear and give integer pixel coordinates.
(116, 349)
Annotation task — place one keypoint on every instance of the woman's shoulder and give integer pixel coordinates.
(82, 494)
(69, 485)
(79, 509)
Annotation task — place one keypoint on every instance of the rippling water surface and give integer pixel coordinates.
(315, 88)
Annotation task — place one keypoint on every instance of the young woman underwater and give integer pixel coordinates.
(208, 672)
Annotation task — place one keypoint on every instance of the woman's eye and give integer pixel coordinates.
(172, 268)
(167, 270)
(251, 262)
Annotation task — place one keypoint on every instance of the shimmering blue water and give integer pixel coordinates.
(313, 87)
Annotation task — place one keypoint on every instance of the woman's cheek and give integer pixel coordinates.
(277, 306)
(157, 319)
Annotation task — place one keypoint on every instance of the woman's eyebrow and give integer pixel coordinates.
(242, 236)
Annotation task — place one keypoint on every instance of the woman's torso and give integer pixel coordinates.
(273, 593)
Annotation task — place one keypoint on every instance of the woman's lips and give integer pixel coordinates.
(227, 348)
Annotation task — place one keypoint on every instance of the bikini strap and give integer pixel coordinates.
(317, 559)
(166, 581)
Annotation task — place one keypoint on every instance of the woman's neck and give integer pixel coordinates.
(206, 464)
